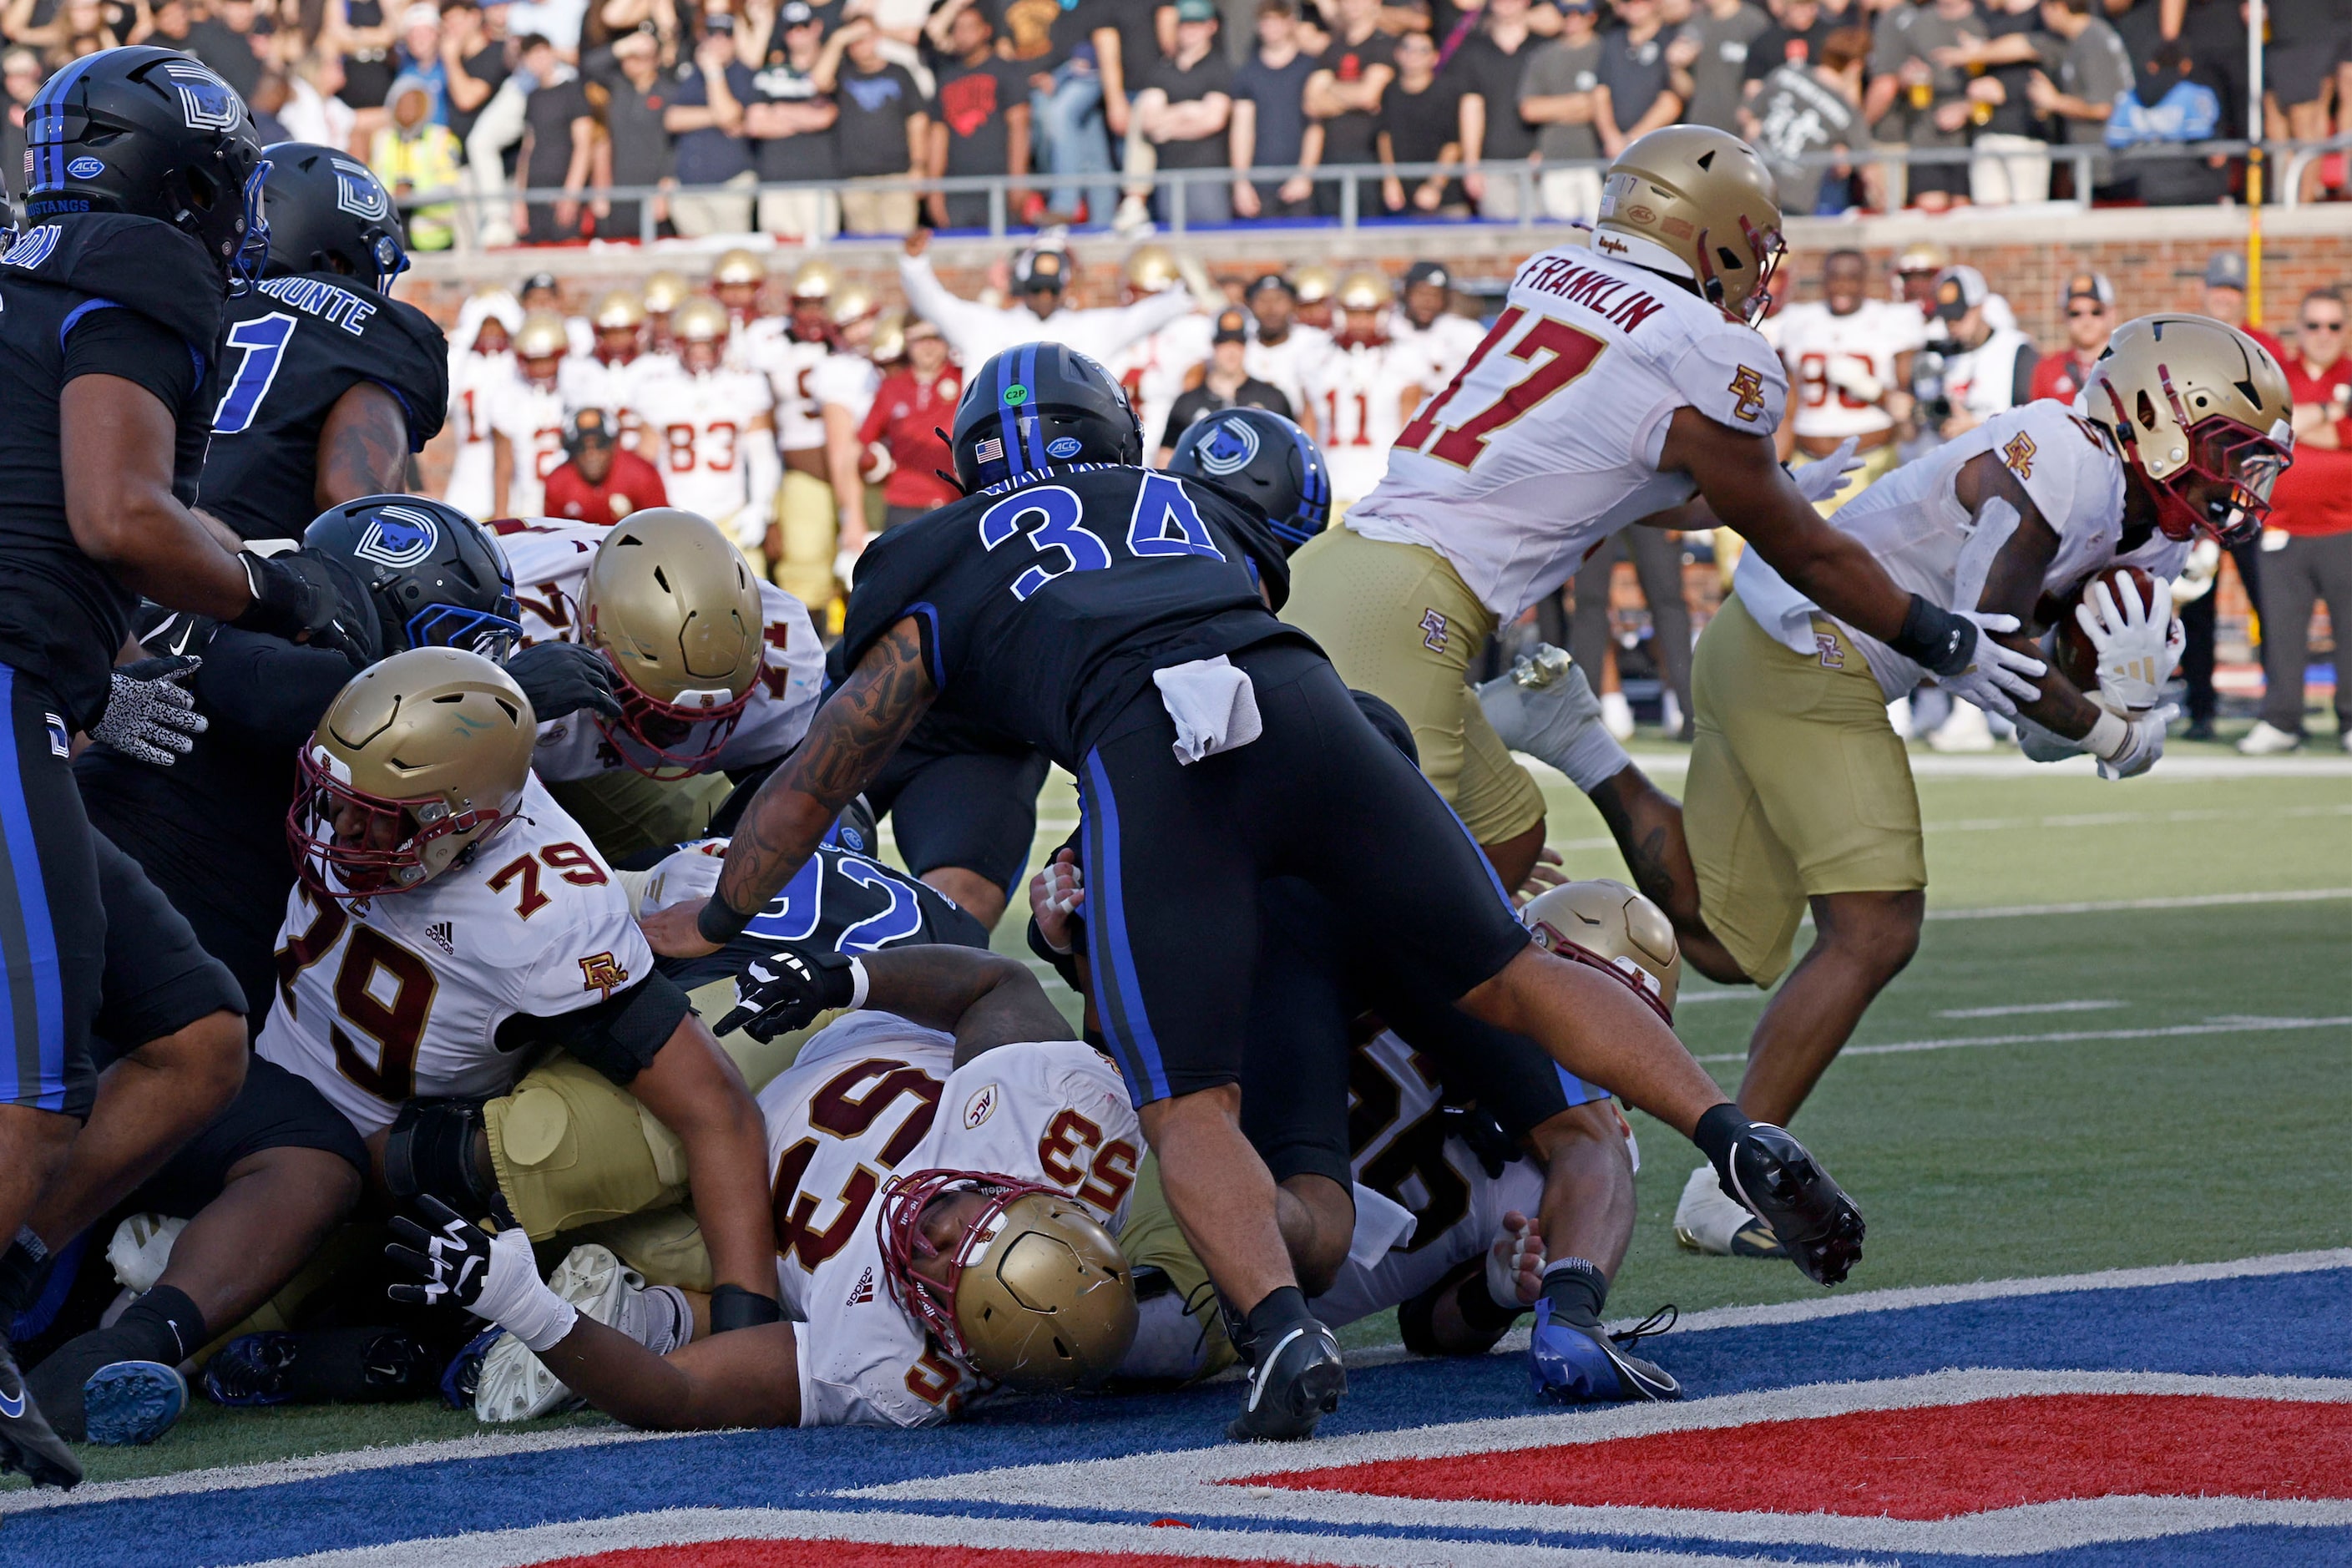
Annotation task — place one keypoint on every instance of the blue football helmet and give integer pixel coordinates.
(1265, 461)
(437, 578)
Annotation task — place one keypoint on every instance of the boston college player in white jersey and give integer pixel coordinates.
(1621, 379)
(481, 360)
(1849, 357)
(708, 429)
(1421, 321)
(1283, 349)
(791, 352)
(526, 419)
(608, 376)
(1363, 390)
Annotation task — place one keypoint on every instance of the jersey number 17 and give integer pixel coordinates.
(1558, 355)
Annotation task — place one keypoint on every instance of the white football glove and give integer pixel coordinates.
(1514, 1265)
(1819, 482)
(1055, 895)
(492, 1277)
(2138, 644)
(879, 464)
(687, 875)
(2133, 750)
(1997, 679)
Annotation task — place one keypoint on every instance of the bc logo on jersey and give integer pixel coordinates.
(399, 537)
(602, 972)
(2018, 455)
(206, 102)
(1747, 390)
(360, 193)
(1232, 444)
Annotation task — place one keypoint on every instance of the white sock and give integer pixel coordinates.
(669, 1322)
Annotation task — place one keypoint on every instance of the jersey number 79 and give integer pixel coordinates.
(1163, 525)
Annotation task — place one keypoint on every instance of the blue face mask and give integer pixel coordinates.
(253, 251)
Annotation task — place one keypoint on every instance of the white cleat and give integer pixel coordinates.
(2267, 740)
(1965, 730)
(1617, 715)
(1705, 1220)
(516, 1385)
(1542, 704)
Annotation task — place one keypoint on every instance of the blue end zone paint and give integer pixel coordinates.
(2287, 1325)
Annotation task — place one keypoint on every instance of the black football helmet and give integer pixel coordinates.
(328, 212)
(1037, 406)
(153, 133)
(438, 578)
(1264, 460)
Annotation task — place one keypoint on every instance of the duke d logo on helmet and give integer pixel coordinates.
(1229, 449)
(206, 102)
(398, 537)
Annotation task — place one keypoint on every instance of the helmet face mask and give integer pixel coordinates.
(2202, 415)
(681, 738)
(699, 330)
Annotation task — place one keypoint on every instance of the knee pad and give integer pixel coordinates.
(430, 1149)
(570, 1148)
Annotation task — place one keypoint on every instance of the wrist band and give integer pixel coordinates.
(718, 923)
(1934, 638)
(857, 985)
(2108, 737)
(732, 1308)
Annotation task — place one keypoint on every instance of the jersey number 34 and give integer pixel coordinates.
(1164, 524)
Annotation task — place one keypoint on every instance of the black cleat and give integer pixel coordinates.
(27, 1444)
(1787, 1189)
(1292, 1386)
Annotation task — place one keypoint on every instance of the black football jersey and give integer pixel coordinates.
(1047, 602)
(287, 350)
(97, 294)
(842, 901)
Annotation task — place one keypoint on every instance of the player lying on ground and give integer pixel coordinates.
(1800, 791)
(1125, 636)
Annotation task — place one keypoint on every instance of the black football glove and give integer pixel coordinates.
(562, 677)
(151, 715)
(787, 989)
(453, 1258)
(1777, 1178)
(294, 597)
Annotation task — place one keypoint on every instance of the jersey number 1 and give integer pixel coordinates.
(1565, 353)
(263, 340)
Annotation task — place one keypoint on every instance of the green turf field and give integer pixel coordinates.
(2208, 1126)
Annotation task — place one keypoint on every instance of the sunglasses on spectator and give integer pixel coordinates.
(2077, 312)
(2334, 326)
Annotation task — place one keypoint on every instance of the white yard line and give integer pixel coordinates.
(2114, 906)
(2072, 1036)
(2015, 1007)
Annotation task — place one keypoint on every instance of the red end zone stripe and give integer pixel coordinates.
(871, 1554)
(1936, 1462)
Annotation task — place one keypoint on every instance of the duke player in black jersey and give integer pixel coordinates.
(1112, 617)
(143, 194)
(325, 383)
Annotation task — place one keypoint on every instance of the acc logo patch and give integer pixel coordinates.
(2018, 455)
(1231, 446)
(86, 168)
(399, 537)
(1063, 446)
(602, 972)
(206, 102)
(1015, 395)
(1640, 214)
(1747, 390)
(980, 1106)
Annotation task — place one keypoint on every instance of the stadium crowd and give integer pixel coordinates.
(1079, 104)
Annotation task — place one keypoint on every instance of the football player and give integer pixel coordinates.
(1041, 278)
(791, 352)
(478, 370)
(1799, 792)
(1312, 286)
(737, 281)
(1422, 321)
(665, 292)
(1365, 389)
(598, 480)
(142, 189)
(451, 921)
(328, 382)
(1154, 367)
(606, 379)
(1284, 351)
(1850, 357)
(951, 1167)
(526, 419)
(710, 429)
(1621, 379)
(1113, 617)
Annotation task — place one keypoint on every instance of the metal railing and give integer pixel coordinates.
(473, 208)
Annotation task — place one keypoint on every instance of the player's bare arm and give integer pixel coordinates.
(852, 735)
(748, 1378)
(2013, 586)
(362, 447)
(695, 1089)
(985, 999)
(117, 441)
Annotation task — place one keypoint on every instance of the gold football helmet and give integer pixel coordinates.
(814, 280)
(618, 310)
(1150, 270)
(738, 267)
(673, 608)
(1035, 1295)
(700, 323)
(1693, 202)
(415, 762)
(1615, 929)
(542, 336)
(851, 303)
(889, 344)
(2203, 417)
(1366, 290)
(665, 292)
(1313, 284)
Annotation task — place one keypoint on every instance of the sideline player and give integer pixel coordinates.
(1284, 351)
(1127, 636)
(1850, 357)
(526, 419)
(1041, 278)
(600, 479)
(1421, 321)
(328, 382)
(607, 377)
(481, 360)
(1799, 792)
(711, 430)
(798, 528)
(1365, 389)
(1621, 379)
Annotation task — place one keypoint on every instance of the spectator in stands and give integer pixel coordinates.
(473, 61)
(983, 123)
(2310, 45)
(418, 54)
(1486, 69)
(635, 91)
(559, 145)
(558, 21)
(85, 20)
(2175, 99)
(1815, 107)
(900, 436)
(1798, 30)
(1066, 101)
(311, 112)
(226, 41)
(791, 122)
(1420, 122)
(1560, 94)
(2225, 297)
(2306, 554)
(1225, 382)
(2001, 53)
(1709, 58)
(2084, 68)
(705, 120)
(1270, 115)
(598, 480)
(1636, 96)
(412, 156)
(1343, 101)
(1184, 106)
(883, 133)
(1915, 99)
(20, 78)
(2089, 303)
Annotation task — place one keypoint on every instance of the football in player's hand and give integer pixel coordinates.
(2076, 659)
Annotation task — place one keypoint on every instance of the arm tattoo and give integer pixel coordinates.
(363, 448)
(852, 735)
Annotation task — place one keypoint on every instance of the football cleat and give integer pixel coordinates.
(131, 1404)
(1578, 1364)
(251, 1369)
(463, 1375)
(1292, 1388)
(28, 1445)
(1779, 1179)
(1705, 1220)
(515, 1384)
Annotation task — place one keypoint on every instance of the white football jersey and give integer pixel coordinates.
(696, 430)
(846, 381)
(1983, 380)
(387, 999)
(532, 419)
(872, 1095)
(1547, 442)
(791, 366)
(550, 558)
(586, 382)
(1290, 365)
(1824, 351)
(1153, 368)
(1447, 342)
(1913, 522)
(474, 381)
(1358, 394)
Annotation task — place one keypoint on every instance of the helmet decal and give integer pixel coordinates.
(1230, 446)
(398, 537)
(359, 192)
(206, 102)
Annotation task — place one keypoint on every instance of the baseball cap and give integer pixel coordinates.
(1196, 10)
(1421, 272)
(2227, 269)
(1959, 290)
(1232, 326)
(539, 280)
(1041, 268)
(1272, 280)
(420, 16)
(586, 427)
(2088, 286)
(795, 14)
